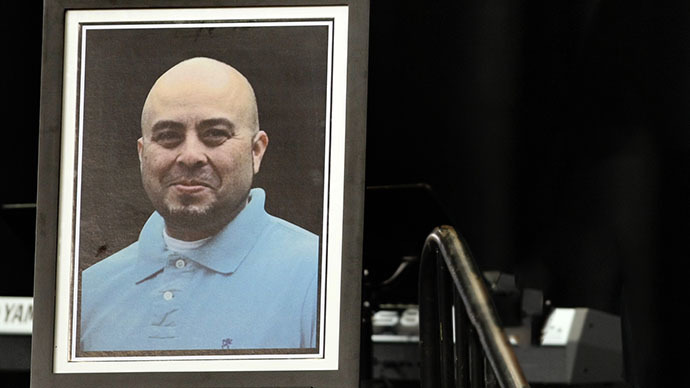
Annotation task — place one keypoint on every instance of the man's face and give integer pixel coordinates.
(199, 150)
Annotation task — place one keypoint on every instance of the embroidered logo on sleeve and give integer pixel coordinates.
(227, 342)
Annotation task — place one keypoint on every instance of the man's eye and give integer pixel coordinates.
(168, 138)
(215, 136)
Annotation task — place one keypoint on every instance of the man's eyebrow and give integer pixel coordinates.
(216, 122)
(166, 124)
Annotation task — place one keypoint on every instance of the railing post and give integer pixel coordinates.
(428, 318)
(462, 342)
(445, 319)
(476, 358)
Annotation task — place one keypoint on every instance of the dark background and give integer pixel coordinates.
(287, 67)
(555, 134)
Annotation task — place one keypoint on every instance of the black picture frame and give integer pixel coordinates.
(56, 226)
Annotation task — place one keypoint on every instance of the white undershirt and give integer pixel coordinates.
(180, 246)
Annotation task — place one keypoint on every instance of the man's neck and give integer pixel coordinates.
(176, 245)
(185, 234)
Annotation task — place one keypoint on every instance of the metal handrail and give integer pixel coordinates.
(450, 353)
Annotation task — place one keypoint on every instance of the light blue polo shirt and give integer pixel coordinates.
(252, 286)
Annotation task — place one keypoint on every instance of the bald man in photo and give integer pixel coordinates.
(211, 268)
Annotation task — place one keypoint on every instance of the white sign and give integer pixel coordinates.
(557, 329)
(16, 314)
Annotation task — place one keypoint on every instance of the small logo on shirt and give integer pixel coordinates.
(227, 342)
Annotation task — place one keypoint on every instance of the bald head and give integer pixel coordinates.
(199, 81)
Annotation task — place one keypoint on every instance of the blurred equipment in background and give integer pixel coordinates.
(557, 345)
(554, 345)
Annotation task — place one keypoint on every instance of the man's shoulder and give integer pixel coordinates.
(292, 238)
(292, 231)
(113, 264)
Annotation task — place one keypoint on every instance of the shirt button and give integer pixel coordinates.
(180, 263)
(167, 295)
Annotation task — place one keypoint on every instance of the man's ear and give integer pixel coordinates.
(140, 149)
(259, 145)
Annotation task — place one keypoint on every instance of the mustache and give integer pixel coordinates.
(179, 176)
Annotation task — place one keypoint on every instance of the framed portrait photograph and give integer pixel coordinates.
(199, 214)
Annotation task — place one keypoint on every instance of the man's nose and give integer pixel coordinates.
(192, 152)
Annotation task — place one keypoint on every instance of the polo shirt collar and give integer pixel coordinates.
(223, 253)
